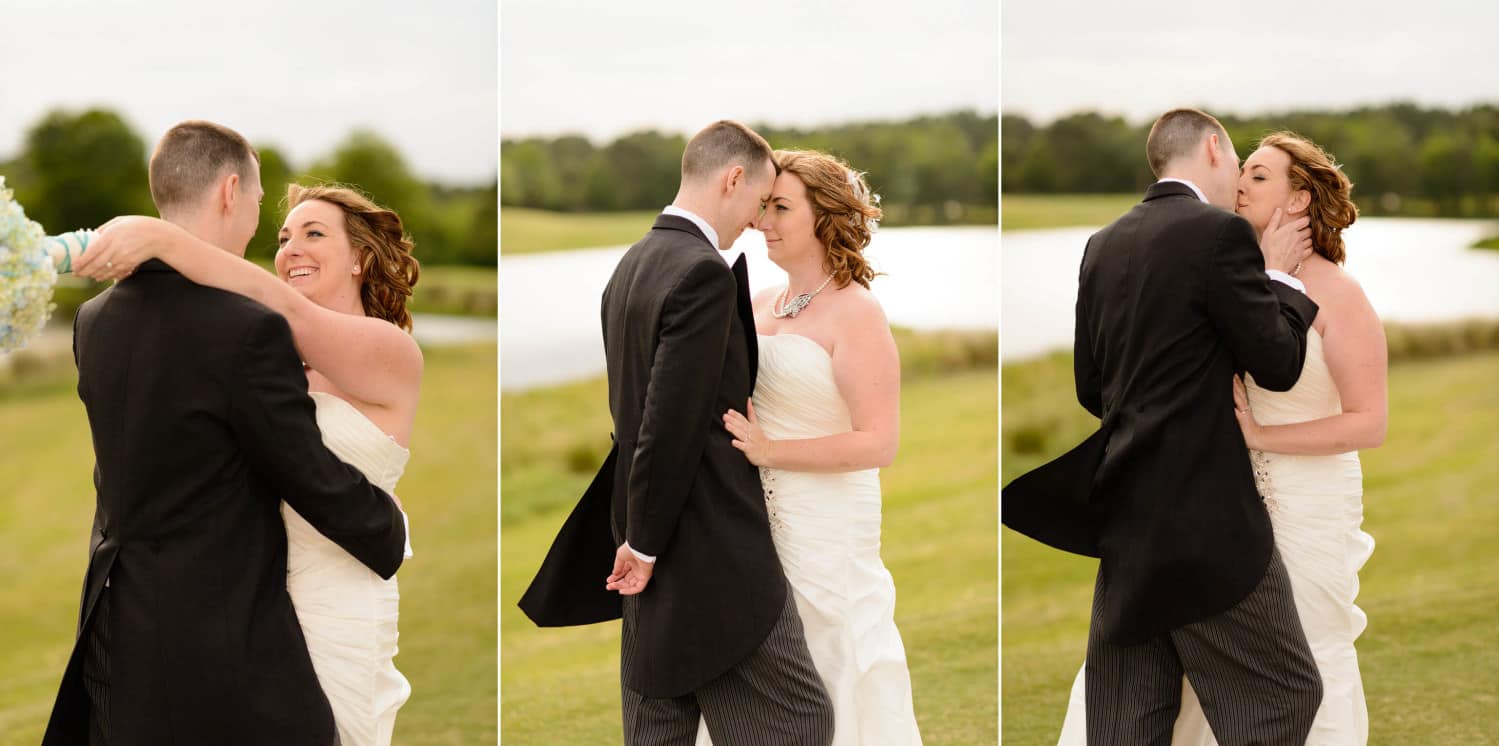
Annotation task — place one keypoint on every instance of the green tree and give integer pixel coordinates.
(367, 161)
(531, 178)
(989, 173)
(1016, 136)
(275, 174)
(82, 169)
(1442, 169)
(571, 156)
(483, 242)
(648, 167)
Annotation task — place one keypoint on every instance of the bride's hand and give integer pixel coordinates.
(124, 243)
(1247, 425)
(1286, 245)
(748, 437)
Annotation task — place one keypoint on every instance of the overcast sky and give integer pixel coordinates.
(606, 68)
(299, 75)
(1061, 56)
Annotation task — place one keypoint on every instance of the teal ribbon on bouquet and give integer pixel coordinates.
(30, 261)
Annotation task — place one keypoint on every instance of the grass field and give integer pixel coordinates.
(1428, 655)
(448, 590)
(1029, 211)
(527, 231)
(456, 290)
(561, 686)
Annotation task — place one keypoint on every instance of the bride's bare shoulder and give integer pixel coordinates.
(858, 304)
(1334, 288)
(1342, 306)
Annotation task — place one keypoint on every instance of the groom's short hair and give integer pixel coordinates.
(722, 144)
(1176, 133)
(192, 156)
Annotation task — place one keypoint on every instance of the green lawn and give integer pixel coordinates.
(1491, 243)
(448, 634)
(528, 231)
(1028, 211)
(457, 290)
(561, 686)
(1428, 655)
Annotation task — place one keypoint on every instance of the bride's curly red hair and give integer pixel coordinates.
(844, 211)
(1331, 209)
(388, 269)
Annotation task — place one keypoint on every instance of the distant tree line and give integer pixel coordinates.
(79, 169)
(930, 169)
(1402, 158)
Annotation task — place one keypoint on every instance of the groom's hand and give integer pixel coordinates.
(631, 573)
(1286, 245)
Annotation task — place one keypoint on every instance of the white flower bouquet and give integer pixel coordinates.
(30, 262)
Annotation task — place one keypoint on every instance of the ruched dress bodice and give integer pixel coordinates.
(348, 613)
(826, 528)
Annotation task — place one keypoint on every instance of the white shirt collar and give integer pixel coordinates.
(1195, 190)
(702, 225)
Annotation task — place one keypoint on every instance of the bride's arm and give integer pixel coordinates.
(1353, 344)
(866, 369)
(370, 359)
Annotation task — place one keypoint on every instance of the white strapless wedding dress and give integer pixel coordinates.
(1316, 510)
(348, 613)
(827, 533)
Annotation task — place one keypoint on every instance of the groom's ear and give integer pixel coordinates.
(734, 177)
(228, 192)
(1214, 146)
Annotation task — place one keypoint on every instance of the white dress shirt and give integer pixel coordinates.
(1274, 274)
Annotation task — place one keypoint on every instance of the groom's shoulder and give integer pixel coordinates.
(184, 303)
(1175, 217)
(1193, 212)
(224, 314)
(673, 253)
(224, 304)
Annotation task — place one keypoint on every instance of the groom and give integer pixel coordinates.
(710, 626)
(201, 427)
(1173, 298)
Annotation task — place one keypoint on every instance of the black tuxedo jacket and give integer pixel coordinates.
(679, 341)
(1172, 301)
(201, 426)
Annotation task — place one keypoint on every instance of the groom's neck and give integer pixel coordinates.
(697, 203)
(202, 225)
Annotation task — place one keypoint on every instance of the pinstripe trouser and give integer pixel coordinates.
(772, 698)
(1250, 666)
(96, 672)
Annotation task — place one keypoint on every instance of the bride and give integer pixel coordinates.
(345, 271)
(825, 416)
(1304, 442)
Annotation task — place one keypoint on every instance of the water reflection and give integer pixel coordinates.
(936, 278)
(1412, 271)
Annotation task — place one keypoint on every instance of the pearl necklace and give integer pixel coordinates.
(782, 308)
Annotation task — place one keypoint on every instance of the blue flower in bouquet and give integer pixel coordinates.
(27, 274)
